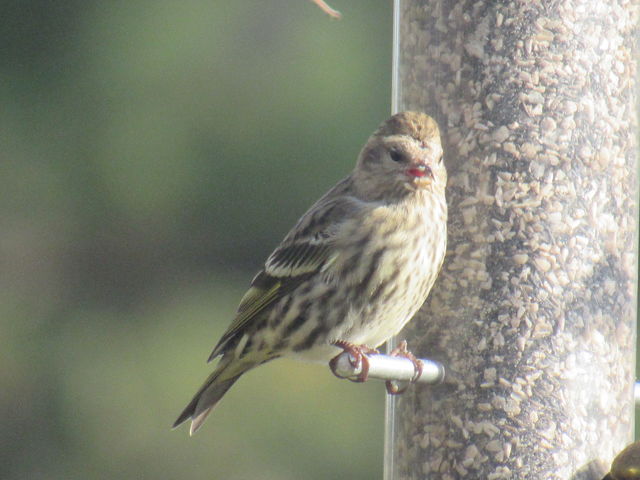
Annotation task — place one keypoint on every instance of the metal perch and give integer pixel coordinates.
(386, 367)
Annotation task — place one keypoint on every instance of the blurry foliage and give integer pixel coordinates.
(153, 153)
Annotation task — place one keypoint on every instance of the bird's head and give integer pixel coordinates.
(403, 156)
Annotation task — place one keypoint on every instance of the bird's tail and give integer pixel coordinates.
(207, 397)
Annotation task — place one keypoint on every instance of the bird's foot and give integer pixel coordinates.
(401, 351)
(357, 357)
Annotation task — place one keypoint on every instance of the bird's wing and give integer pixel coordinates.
(305, 251)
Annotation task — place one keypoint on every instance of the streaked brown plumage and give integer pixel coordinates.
(355, 268)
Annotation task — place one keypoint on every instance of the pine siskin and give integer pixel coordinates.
(355, 268)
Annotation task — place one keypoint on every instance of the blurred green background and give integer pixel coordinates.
(153, 153)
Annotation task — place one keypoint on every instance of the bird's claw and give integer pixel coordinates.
(402, 351)
(357, 358)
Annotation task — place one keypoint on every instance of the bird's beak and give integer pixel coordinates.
(420, 170)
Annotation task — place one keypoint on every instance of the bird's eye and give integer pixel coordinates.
(396, 155)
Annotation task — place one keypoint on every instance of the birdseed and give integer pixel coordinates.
(533, 314)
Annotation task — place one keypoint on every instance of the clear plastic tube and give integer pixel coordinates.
(534, 312)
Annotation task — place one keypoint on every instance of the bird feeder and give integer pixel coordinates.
(533, 315)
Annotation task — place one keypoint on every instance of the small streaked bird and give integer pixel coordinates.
(353, 270)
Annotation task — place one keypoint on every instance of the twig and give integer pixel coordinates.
(327, 9)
